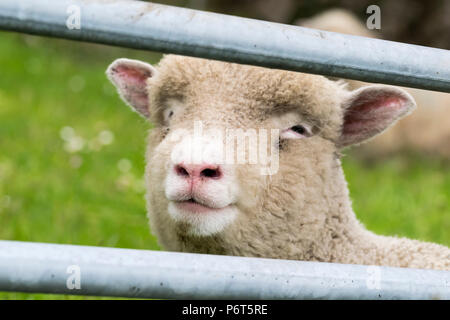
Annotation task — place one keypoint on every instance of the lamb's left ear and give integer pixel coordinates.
(370, 110)
(130, 78)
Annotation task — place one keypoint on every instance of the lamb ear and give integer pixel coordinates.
(130, 78)
(372, 109)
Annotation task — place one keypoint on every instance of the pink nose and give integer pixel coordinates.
(195, 171)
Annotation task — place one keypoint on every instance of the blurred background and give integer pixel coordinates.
(72, 154)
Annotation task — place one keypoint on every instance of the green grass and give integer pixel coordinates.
(89, 192)
(406, 195)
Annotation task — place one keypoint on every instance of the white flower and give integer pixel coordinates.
(67, 133)
(75, 144)
(106, 137)
(124, 165)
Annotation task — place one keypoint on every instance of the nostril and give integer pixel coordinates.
(181, 171)
(211, 173)
(198, 171)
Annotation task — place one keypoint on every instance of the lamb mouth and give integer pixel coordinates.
(193, 206)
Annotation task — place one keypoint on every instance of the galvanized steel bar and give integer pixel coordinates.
(142, 25)
(48, 268)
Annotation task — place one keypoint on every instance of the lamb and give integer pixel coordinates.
(426, 131)
(300, 210)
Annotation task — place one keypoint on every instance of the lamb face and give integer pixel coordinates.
(209, 191)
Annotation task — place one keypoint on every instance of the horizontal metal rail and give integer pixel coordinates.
(52, 268)
(142, 25)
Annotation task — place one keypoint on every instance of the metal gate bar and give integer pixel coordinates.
(143, 25)
(53, 268)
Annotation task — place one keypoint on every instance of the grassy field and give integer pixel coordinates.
(72, 159)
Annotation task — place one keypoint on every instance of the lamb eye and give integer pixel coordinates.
(296, 132)
(299, 129)
(172, 108)
(168, 113)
